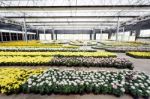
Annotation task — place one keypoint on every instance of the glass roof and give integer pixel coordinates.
(72, 2)
(41, 14)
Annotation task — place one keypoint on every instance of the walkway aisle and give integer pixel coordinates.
(139, 64)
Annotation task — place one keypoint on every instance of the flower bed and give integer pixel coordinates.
(65, 61)
(83, 43)
(119, 63)
(127, 49)
(130, 43)
(80, 82)
(15, 49)
(100, 47)
(62, 54)
(24, 61)
(15, 80)
(12, 78)
(34, 44)
(139, 54)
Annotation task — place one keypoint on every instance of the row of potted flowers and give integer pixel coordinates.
(92, 62)
(81, 82)
(139, 54)
(129, 43)
(24, 61)
(126, 49)
(63, 54)
(27, 49)
(101, 46)
(119, 63)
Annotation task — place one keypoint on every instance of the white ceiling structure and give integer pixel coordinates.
(74, 13)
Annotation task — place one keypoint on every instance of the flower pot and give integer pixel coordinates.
(135, 97)
(146, 97)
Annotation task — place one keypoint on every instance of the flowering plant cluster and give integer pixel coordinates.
(80, 82)
(119, 63)
(101, 46)
(32, 49)
(34, 43)
(127, 49)
(129, 43)
(83, 43)
(12, 78)
(24, 61)
(139, 54)
(63, 54)
(92, 62)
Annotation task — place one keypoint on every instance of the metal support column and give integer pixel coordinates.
(117, 32)
(23, 37)
(52, 35)
(109, 35)
(34, 36)
(37, 35)
(101, 36)
(17, 36)
(55, 36)
(10, 37)
(90, 36)
(1, 36)
(44, 34)
(25, 30)
(29, 36)
(94, 34)
(137, 33)
(123, 36)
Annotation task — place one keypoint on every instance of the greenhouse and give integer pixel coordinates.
(74, 49)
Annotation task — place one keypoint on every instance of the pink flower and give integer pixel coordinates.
(114, 86)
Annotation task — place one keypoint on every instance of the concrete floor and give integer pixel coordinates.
(139, 64)
(89, 96)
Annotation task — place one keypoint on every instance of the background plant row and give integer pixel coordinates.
(127, 49)
(70, 54)
(139, 54)
(119, 63)
(16, 49)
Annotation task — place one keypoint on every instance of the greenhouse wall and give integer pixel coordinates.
(73, 36)
(45, 36)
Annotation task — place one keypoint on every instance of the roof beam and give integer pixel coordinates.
(71, 22)
(81, 7)
(71, 16)
(74, 25)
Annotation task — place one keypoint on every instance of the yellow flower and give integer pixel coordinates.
(12, 78)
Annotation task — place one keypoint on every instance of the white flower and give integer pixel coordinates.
(54, 80)
(38, 80)
(123, 82)
(136, 84)
(34, 75)
(148, 91)
(41, 83)
(47, 81)
(114, 86)
(122, 89)
(132, 87)
(140, 91)
(29, 86)
(96, 85)
(33, 83)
